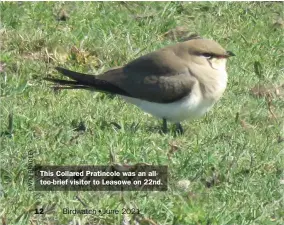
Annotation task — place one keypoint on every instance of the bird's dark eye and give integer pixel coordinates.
(207, 55)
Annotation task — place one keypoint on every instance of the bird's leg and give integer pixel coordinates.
(165, 127)
(179, 128)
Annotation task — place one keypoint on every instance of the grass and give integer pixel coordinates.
(233, 157)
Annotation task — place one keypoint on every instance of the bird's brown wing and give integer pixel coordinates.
(160, 76)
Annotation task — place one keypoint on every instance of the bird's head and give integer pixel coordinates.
(204, 51)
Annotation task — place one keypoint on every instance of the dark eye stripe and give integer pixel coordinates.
(208, 55)
(221, 56)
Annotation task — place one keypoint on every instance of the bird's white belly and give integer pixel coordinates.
(190, 107)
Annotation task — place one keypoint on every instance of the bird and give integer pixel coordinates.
(178, 82)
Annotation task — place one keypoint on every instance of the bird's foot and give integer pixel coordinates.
(179, 129)
(165, 126)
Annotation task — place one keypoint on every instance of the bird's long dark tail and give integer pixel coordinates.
(85, 81)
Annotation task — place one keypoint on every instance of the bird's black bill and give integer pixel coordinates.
(229, 54)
